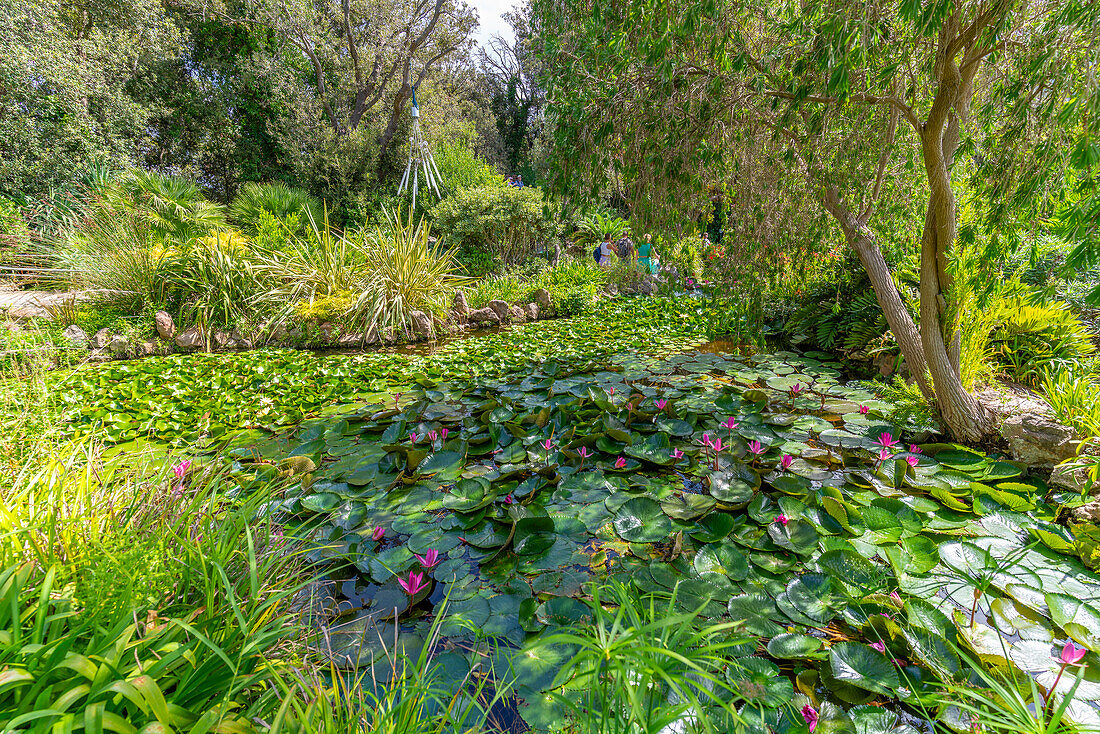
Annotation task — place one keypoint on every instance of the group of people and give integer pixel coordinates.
(644, 254)
(516, 181)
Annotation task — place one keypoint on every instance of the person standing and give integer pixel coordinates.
(624, 248)
(607, 250)
(647, 255)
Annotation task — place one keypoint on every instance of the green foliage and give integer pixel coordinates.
(574, 285)
(509, 224)
(276, 200)
(174, 207)
(596, 226)
(1074, 396)
(223, 282)
(461, 168)
(643, 664)
(846, 316)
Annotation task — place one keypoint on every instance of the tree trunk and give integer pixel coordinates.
(862, 240)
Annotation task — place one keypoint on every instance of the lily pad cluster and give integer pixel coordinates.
(760, 489)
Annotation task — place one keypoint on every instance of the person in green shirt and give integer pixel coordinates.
(647, 255)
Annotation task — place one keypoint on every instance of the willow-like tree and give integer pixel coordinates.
(855, 101)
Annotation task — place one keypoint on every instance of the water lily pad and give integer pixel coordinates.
(864, 667)
(794, 645)
(641, 520)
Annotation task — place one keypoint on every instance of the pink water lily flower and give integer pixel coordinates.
(432, 436)
(620, 463)
(1071, 654)
(809, 713)
(914, 449)
(706, 440)
(884, 454)
(730, 423)
(756, 447)
(717, 444)
(378, 533)
(509, 499)
(911, 460)
(629, 407)
(397, 400)
(583, 452)
(414, 584)
(863, 410)
(886, 441)
(782, 520)
(412, 437)
(443, 433)
(548, 444)
(879, 646)
(895, 596)
(610, 391)
(661, 403)
(786, 461)
(796, 388)
(677, 454)
(430, 559)
(181, 469)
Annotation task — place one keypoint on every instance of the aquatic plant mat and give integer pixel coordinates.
(863, 564)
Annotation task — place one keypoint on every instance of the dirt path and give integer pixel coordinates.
(17, 304)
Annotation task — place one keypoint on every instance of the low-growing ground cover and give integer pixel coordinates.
(868, 573)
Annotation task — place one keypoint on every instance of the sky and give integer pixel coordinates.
(491, 24)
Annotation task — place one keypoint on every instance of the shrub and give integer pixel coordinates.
(598, 225)
(221, 282)
(461, 168)
(275, 200)
(506, 223)
(683, 254)
(173, 206)
(574, 285)
(1074, 398)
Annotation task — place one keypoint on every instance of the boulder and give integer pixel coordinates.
(518, 314)
(532, 310)
(192, 338)
(74, 336)
(460, 307)
(501, 309)
(146, 348)
(648, 285)
(1036, 440)
(371, 335)
(542, 298)
(422, 325)
(327, 329)
(240, 340)
(119, 344)
(886, 364)
(351, 340)
(1075, 480)
(611, 289)
(223, 339)
(484, 316)
(166, 328)
(100, 339)
(1087, 513)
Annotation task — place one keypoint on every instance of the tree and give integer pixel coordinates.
(365, 57)
(511, 72)
(853, 94)
(65, 86)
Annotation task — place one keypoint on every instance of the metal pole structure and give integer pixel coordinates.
(420, 158)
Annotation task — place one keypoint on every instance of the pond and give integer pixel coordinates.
(760, 488)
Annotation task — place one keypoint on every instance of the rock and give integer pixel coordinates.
(166, 328)
(501, 309)
(1038, 441)
(326, 328)
(1087, 513)
(371, 335)
(119, 344)
(611, 289)
(460, 307)
(240, 340)
(518, 314)
(422, 324)
(532, 311)
(1075, 480)
(192, 338)
(100, 339)
(886, 364)
(484, 316)
(147, 348)
(648, 285)
(223, 339)
(74, 336)
(349, 340)
(542, 298)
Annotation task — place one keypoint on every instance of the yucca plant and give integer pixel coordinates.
(406, 271)
(223, 281)
(277, 199)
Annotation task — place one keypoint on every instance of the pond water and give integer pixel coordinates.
(761, 488)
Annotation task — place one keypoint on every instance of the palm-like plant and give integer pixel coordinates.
(278, 200)
(175, 207)
(598, 225)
